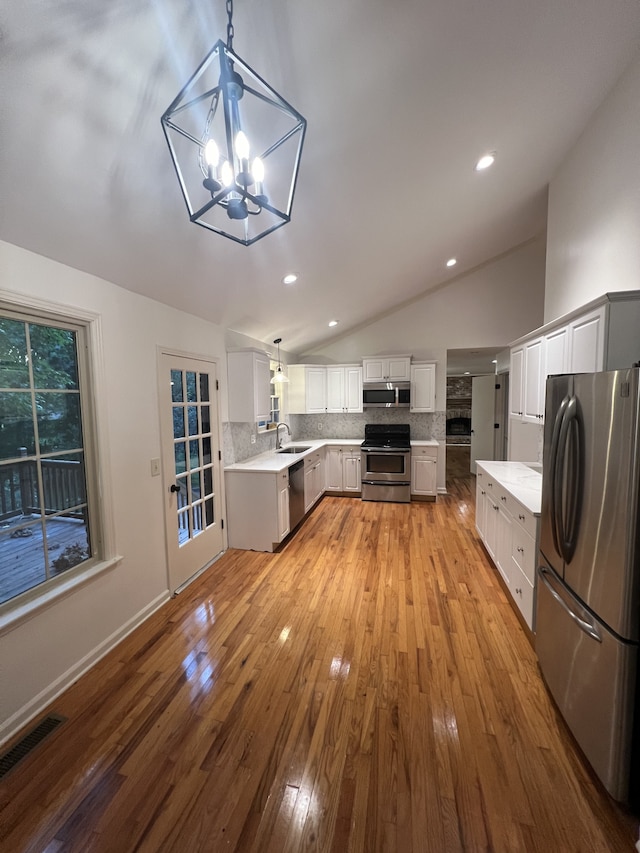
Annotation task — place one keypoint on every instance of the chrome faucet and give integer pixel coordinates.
(282, 423)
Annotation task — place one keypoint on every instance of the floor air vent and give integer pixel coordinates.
(20, 750)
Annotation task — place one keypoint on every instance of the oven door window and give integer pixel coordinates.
(385, 463)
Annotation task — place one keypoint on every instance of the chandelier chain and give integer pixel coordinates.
(230, 29)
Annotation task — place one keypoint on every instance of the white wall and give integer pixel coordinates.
(594, 206)
(40, 655)
(488, 307)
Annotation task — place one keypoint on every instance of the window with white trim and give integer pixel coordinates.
(48, 527)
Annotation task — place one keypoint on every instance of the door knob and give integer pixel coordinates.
(174, 488)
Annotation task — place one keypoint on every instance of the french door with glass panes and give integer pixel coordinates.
(191, 465)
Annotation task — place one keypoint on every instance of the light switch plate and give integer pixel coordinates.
(155, 467)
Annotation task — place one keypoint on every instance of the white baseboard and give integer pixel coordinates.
(35, 706)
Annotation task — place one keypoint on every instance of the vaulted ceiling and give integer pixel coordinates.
(401, 100)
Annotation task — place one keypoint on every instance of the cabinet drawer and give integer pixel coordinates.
(312, 459)
(522, 592)
(503, 498)
(525, 518)
(429, 452)
(524, 552)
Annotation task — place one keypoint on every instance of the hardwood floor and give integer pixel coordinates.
(368, 688)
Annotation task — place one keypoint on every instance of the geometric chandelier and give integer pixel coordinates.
(236, 146)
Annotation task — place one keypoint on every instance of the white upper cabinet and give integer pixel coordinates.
(315, 388)
(423, 387)
(394, 368)
(603, 336)
(534, 381)
(586, 337)
(516, 382)
(344, 388)
(556, 351)
(249, 377)
(307, 389)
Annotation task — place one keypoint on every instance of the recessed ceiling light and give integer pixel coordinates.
(466, 373)
(494, 361)
(333, 322)
(452, 262)
(485, 161)
(290, 278)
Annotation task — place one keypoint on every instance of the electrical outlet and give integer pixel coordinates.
(319, 427)
(253, 439)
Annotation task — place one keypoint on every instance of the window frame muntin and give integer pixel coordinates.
(86, 325)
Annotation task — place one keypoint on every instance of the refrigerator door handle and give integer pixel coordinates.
(575, 473)
(588, 627)
(568, 479)
(556, 484)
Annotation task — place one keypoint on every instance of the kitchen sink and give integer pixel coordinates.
(298, 449)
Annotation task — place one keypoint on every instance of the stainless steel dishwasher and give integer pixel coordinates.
(296, 493)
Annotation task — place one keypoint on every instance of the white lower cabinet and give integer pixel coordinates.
(257, 509)
(333, 479)
(351, 479)
(343, 472)
(509, 532)
(283, 505)
(424, 465)
(313, 478)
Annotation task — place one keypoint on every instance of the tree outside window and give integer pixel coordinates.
(44, 514)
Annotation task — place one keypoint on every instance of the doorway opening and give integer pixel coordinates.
(476, 426)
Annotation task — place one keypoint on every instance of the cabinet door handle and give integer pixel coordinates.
(521, 517)
(502, 498)
(496, 508)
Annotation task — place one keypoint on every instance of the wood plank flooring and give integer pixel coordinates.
(368, 688)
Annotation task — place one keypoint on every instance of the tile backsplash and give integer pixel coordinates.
(236, 437)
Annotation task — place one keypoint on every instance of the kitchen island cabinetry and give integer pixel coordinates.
(507, 521)
(392, 368)
(257, 509)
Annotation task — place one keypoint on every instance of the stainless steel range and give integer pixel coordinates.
(386, 463)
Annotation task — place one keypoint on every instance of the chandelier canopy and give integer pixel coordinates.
(235, 145)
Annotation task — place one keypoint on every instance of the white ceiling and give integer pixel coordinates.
(400, 98)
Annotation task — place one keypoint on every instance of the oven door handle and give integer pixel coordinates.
(386, 483)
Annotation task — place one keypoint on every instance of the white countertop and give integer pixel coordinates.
(522, 480)
(272, 462)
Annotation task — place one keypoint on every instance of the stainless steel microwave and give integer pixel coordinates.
(386, 395)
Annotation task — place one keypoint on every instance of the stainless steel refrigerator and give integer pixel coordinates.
(588, 590)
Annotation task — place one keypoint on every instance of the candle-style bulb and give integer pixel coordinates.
(257, 170)
(226, 174)
(211, 153)
(242, 145)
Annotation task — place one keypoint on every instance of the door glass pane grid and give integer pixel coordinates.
(192, 453)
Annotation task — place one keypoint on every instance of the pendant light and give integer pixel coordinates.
(235, 145)
(280, 375)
